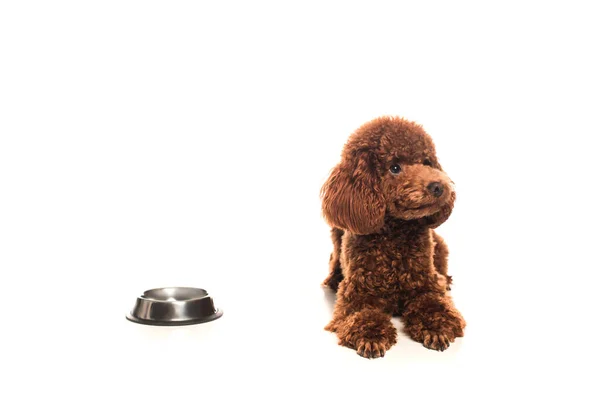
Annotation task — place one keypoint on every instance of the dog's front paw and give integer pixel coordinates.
(433, 320)
(369, 332)
(437, 340)
(371, 349)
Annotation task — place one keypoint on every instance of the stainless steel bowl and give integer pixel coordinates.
(174, 306)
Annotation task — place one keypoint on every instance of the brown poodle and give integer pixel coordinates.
(383, 200)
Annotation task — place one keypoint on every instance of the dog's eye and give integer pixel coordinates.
(395, 169)
(427, 162)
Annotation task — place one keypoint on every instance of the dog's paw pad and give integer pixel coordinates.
(437, 341)
(371, 349)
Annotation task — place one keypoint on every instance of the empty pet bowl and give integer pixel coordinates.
(174, 306)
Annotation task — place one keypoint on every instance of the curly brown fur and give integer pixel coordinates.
(335, 269)
(440, 258)
(383, 200)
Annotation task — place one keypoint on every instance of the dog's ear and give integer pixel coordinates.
(352, 197)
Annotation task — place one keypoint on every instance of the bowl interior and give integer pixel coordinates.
(174, 294)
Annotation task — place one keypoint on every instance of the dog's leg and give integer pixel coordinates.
(362, 322)
(335, 269)
(432, 319)
(440, 258)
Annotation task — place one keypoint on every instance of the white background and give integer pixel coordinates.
(147, 144)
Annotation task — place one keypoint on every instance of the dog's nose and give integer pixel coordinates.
(436, 189)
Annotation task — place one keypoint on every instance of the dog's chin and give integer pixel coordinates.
(428, 214)
(417, 212)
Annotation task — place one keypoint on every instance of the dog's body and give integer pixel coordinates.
(383, 201)
(438, 247)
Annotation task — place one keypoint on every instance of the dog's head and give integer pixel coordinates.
(388, 168)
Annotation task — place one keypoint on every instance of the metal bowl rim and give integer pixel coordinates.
(207, 295)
